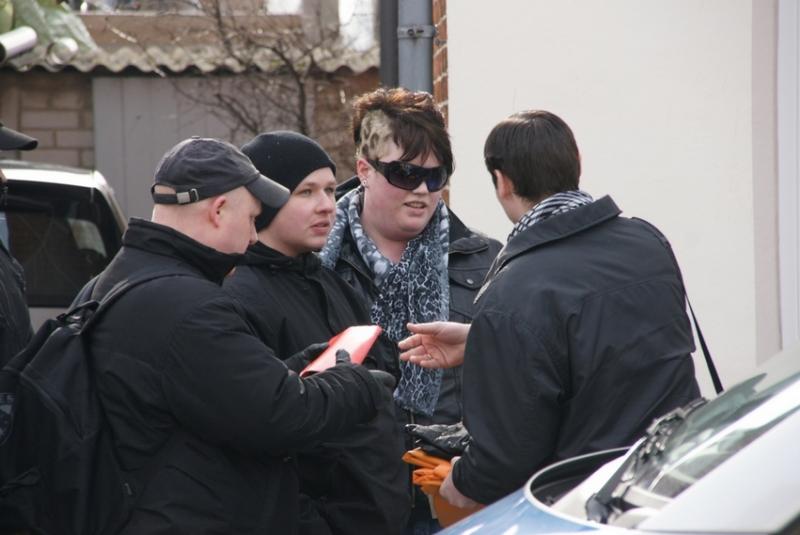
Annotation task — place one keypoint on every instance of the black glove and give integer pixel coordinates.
(440, 440)
(386, 378)
(302, 358)
(342, 356)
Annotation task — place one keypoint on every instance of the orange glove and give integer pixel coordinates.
(417, 457)
(432, 471)
(429, 477)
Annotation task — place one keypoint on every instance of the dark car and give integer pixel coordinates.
(63, 225)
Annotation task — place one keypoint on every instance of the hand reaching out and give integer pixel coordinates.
(438, 344)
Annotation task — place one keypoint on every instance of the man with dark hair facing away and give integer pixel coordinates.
(581, 336)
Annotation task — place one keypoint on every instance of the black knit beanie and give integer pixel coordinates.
(287, 158)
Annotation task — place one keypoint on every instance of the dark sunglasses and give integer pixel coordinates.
(408, 176)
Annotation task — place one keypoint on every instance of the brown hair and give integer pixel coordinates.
(410, 118)
(537, 151)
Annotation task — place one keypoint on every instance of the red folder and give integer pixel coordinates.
(356, 340)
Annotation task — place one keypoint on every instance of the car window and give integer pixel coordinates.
(62, 235)
(715, 431)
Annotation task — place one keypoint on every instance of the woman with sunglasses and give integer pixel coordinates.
(396, 242)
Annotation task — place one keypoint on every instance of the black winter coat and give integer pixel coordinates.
(15, 322)
(580, 340)
(469, 259)
(176, 356)
(356, 484)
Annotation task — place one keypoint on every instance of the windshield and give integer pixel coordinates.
(694, 445)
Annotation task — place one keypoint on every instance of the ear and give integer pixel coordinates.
(363, 169)
(505, 188)
(215, 209)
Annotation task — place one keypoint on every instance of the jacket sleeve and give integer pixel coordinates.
(511, 407)
(222, 383)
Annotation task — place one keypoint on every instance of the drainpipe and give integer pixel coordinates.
(387, 11)
(415, 32)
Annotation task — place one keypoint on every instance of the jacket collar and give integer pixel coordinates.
(260, 254)
(463, 240)
(347, 185)
(166, 241)
(557, 228)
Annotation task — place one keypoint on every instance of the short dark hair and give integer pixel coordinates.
(536, 150)
(416, 123)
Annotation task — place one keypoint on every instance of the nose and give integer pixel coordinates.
(327, 203)
(253, 235)
(422, 188)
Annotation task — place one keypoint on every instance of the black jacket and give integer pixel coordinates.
(357, 483)
(176, 356)
(580, 340)
(15, 322)
(469, 259)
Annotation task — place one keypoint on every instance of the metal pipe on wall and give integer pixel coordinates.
(415, 32)
(387, 11)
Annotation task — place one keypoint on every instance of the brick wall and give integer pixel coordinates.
(439, 8)
(55, 108)
(331, 118)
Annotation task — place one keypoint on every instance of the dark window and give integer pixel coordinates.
(62, 235)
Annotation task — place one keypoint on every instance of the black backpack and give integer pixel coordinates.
(59, 473)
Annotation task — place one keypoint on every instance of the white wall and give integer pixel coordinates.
(659, 94)
(788, 165)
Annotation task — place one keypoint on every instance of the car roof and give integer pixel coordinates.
(54, 174)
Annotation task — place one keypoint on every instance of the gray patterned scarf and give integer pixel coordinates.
(553, 205)
(416, 289)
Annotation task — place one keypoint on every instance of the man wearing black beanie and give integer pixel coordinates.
(290, 158)
(356, 484)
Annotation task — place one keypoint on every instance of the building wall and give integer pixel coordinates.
(672, 103)
(122, 124)
(144, 116)
(55, 108)
(332, 116)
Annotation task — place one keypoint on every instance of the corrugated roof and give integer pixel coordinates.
(176, 44)
(177, 59)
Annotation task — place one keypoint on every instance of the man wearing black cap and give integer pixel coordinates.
(178, 362)
(356, 484)
(15, 321)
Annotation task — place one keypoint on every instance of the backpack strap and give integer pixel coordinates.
(85, 294)
(85, 301)
(712, 370)
(84, 308)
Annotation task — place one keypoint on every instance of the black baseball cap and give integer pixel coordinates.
(13, 140)
(199, 167)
